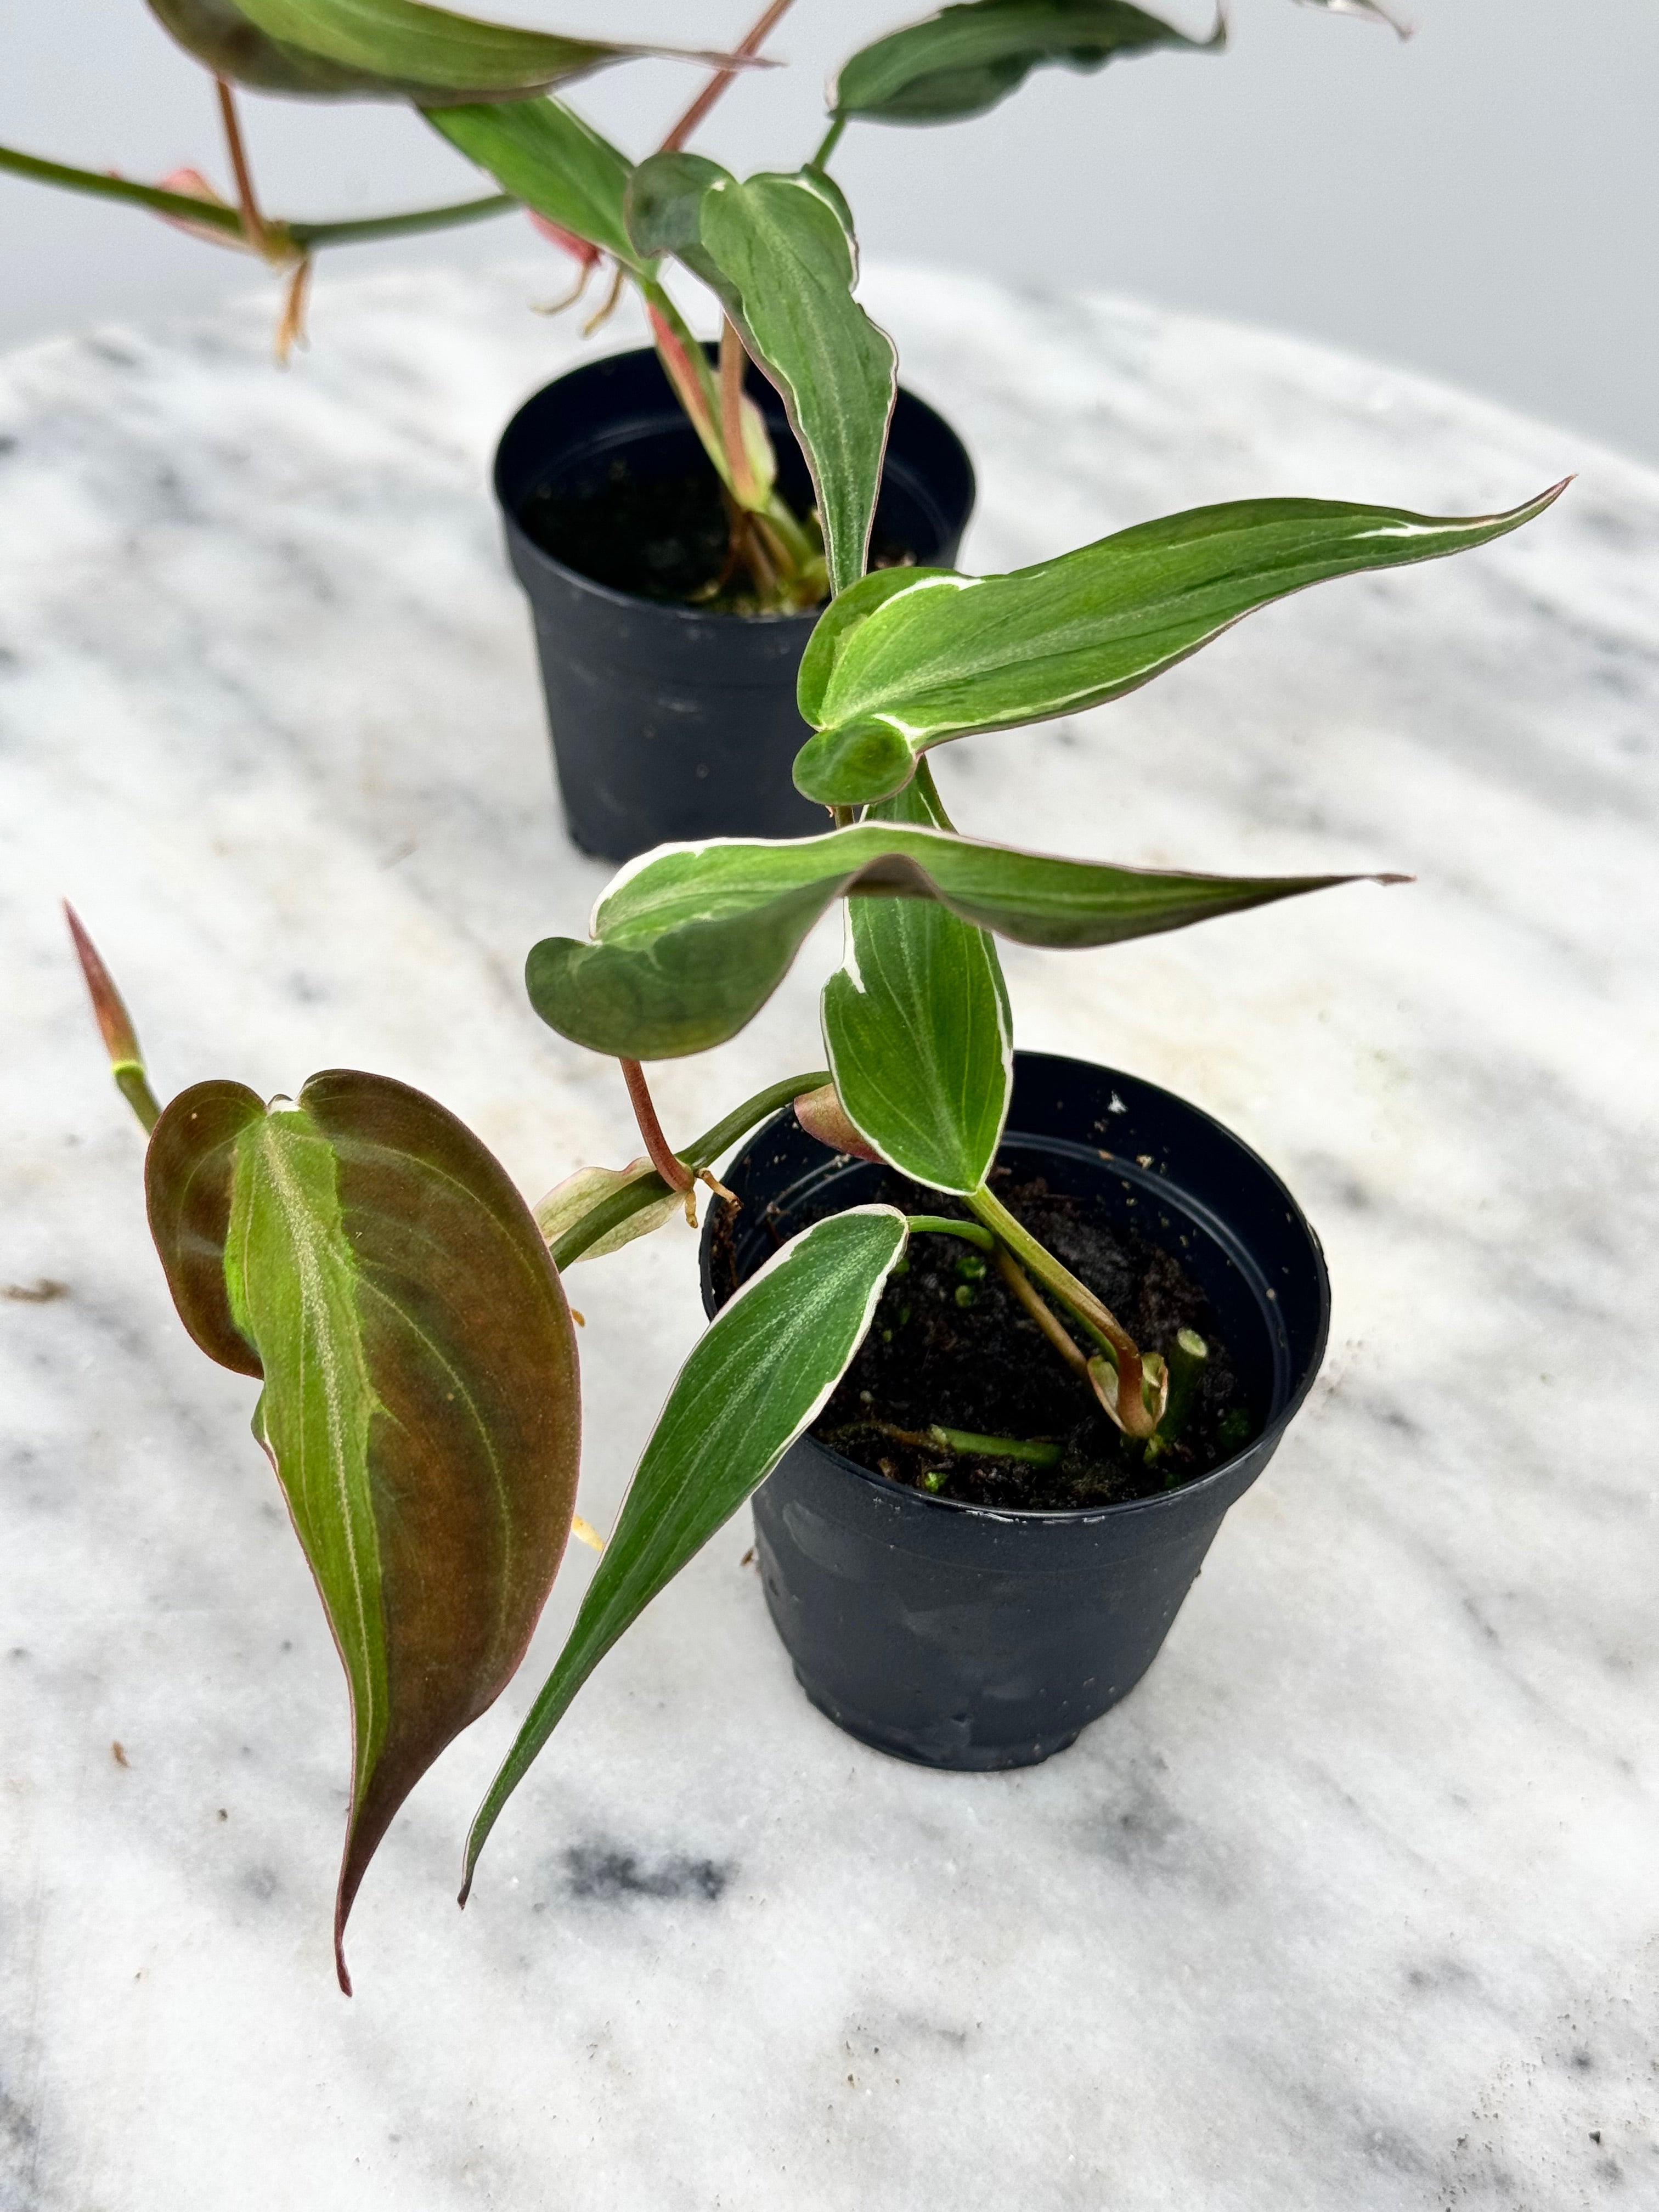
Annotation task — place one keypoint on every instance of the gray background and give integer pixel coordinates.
(1480, 203)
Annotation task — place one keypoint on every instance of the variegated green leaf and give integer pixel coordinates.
(545, 155)
(691, 941)
(898, 666)
(779, 253)
(918, 1027)
(363, 1254)
(965, 60)
(382, 50)
(759, 1376)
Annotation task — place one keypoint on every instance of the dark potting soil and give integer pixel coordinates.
(950, 1347)
(662, 538)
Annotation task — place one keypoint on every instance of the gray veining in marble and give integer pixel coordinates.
(1353, 1903)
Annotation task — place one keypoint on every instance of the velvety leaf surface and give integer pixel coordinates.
(420, 1404)
(918, 1027)
(915, 663)
(217, 33)
(691, 941)
(189, 1172)
(664, 209)
(380, 49)
(757, 1378)
(965, 60)
(548, 157)
(779, 253)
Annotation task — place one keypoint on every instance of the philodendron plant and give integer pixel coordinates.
(361, 1254)
(775, 250)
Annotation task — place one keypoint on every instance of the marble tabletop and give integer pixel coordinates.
(1353, 1902)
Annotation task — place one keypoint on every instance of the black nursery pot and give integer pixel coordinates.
(670, 721)
(959, 1636)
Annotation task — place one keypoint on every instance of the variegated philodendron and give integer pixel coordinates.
(359, 1254)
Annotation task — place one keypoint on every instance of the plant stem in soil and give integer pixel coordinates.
(1134, 1416)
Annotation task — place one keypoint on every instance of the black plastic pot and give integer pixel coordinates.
(961, 1637)
(670, 721)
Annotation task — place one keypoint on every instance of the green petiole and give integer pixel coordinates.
(938, 1225)
(305, 237)
(701, 1153)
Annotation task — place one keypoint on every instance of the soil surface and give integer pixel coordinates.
(656, 537)
(950, 1347)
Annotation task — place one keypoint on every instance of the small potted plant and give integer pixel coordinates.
(664, 509)
(1013, 1332)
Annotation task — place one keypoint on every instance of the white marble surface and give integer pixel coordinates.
(1353, 1903)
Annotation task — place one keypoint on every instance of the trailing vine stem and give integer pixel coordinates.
(185, 207)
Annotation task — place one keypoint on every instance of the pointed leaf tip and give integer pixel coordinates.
(909, 664)
(757, 1379)
(109, 1009)
(364, 1254)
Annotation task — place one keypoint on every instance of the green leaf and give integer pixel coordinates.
(548, 157)
(918, 1027)
(382, 50)
(218, 35)
(364, 1255)
(963, 60)
(778, 250)
(664, 212)
(938, 655)
(759, 1377)
(691, 940)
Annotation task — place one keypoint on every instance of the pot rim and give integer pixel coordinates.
(524, 545)
(1261, 1448)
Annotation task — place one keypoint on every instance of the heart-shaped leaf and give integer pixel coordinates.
(899, 665)
(691, 940)
(384, 50)
(366, 1256)
(779, 253)
(918, 1027)
(965, 60)
(548, 157)
(758, 1377)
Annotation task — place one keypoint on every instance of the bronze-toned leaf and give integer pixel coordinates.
(375, 1265)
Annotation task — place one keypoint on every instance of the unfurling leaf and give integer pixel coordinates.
(383, 50)
(822, 1115)
(906, 660)
(366, 1257)
(579, 1195)
(691, 941)
(965, 60)
(778, 251)
(759, 1376)
(548, 157)
(918, 1027)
